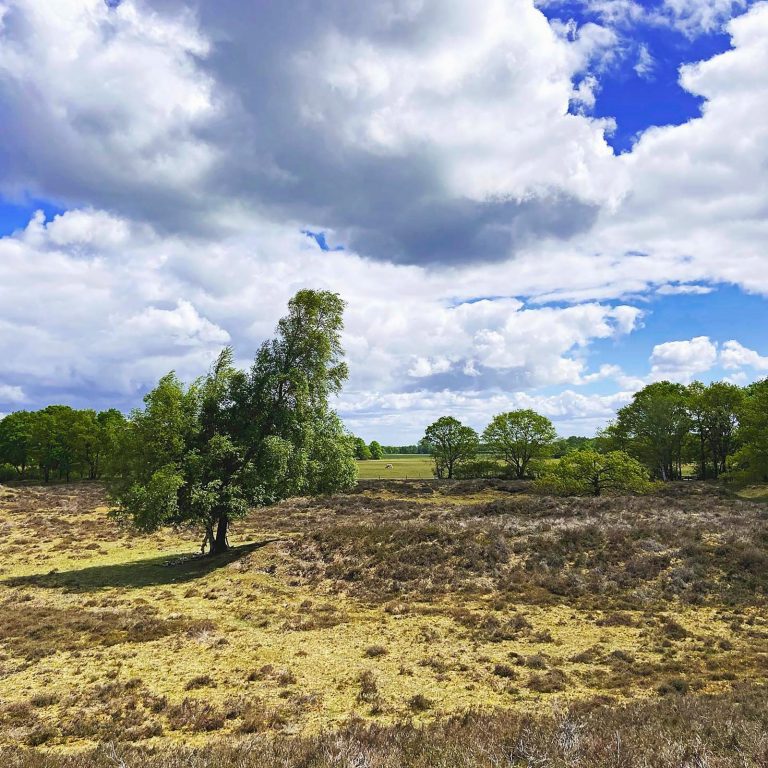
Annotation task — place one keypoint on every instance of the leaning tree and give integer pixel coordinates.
(204, 455)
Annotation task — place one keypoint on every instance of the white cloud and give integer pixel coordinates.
(684, 289)
(433, 140)
(103, 104)
(694, 17)
(407, 413)
(683, 360)
(11, 395)
(645, 64)
(734, 355)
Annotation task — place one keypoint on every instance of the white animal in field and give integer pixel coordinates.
(389, 466)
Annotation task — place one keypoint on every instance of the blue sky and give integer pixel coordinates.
(526, 204)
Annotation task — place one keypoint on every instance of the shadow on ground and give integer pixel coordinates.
(153, 571)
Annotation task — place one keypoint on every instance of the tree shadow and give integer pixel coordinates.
(150, 572)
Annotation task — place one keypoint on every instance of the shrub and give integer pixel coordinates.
(420, 703)
(201, 681)
(374, 651)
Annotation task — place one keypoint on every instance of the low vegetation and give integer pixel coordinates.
(401, 623)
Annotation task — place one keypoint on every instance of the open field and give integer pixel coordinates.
(404, 467)
(557, 622)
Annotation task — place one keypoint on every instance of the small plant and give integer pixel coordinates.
(369, 690)
(374, 651)
(675, 685)
(285, 678)
(201, 681)
(420, 703)
(549, 682)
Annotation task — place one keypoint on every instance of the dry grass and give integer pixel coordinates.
(400, 602)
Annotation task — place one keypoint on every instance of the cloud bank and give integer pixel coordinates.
(491, 239)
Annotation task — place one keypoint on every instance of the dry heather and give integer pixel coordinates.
(403, 624)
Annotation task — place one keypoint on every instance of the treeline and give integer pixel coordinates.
(422, 449)
(711, 431)
(716, 429)
(59, 442)
(672, 430)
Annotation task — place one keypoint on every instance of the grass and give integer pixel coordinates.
(399, 602)
(405, 467)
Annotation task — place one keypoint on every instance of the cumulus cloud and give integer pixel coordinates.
(435, 142)
(695, 17)
(117, 318)
(734, 356)
(419, 132)
(573, 412)
(104, 105)
(690, 17)
(683, 360)
(11, 395)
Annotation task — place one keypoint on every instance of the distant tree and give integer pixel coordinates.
(377, 452)
(564, 445)
(362, 451)
(106, 459)
(45, 442)
(655, 428)
(751, 458)
(713, 410)
(589, 473)
(421, 449)
(451, 443)
(518, 437)
(16, 441)
(203, 455)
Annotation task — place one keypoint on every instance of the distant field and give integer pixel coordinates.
(404, 466)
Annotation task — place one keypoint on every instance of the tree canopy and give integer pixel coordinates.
(519, 437)
(589, 473)
(203, 455)
(450, 443)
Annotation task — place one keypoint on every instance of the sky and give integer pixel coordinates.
(525, 203)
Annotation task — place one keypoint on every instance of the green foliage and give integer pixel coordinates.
(203, 455)
(451, 443)
(564, 445)
(655, 429)
(16, 440)
(60, 441)
(589, 473)
(362, 451)
(377, 452)
(713, 412)
(518, 437)
(751, 459)
(422, 449)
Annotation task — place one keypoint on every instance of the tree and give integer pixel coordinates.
(713, 411)
(204, 455)
(362, 451)
(655, 427)
(518, 437)
(589, 473)
(377, 452)
(450, 443)
(564, 445)
(751, 459)
(16, 441)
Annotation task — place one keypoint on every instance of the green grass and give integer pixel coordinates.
(754, 492)
(417, 467)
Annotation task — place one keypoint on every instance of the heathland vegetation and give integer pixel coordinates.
(539, 602)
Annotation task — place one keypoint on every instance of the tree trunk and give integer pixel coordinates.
(219, 541)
